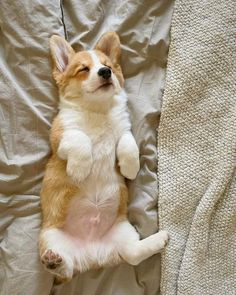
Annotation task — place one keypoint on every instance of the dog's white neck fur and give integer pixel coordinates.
(98, 107)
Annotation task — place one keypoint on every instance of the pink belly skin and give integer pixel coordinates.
(88, 222)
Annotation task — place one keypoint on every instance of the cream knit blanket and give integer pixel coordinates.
(197, 144)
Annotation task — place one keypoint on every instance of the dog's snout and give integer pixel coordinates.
(104, 72)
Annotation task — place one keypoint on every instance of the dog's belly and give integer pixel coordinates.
(89, 217)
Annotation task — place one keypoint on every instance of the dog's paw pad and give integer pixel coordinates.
(51, 259)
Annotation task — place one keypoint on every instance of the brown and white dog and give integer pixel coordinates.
(84, 196)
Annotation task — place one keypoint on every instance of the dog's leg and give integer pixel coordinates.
(56, 252)
(54, 245)
(133, 250)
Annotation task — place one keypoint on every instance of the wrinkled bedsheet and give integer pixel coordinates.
(28, 104)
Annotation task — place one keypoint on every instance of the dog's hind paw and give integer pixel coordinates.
(51, 260)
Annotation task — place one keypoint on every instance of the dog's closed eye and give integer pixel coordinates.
(84, 69)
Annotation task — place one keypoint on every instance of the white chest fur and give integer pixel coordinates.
(100, 128)
(103, 128)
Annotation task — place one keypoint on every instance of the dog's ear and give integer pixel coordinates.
(109, 44)
(61, 54)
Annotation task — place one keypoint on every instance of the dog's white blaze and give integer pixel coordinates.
(96, 62)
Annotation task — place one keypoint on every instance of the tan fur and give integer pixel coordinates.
(57, 190)
(109, 44)
(56, 134)
(78, 61)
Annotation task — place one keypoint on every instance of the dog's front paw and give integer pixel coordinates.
(129, 164)
(78, 169)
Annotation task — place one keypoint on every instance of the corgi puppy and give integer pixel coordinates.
(84, 195)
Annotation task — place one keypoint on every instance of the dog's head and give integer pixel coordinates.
(93, 75)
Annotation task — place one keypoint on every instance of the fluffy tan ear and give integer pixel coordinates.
(61, 53)
(109, 44)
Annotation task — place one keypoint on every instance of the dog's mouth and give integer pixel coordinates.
(104, 86)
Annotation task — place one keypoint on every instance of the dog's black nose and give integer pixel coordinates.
(104, 72)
